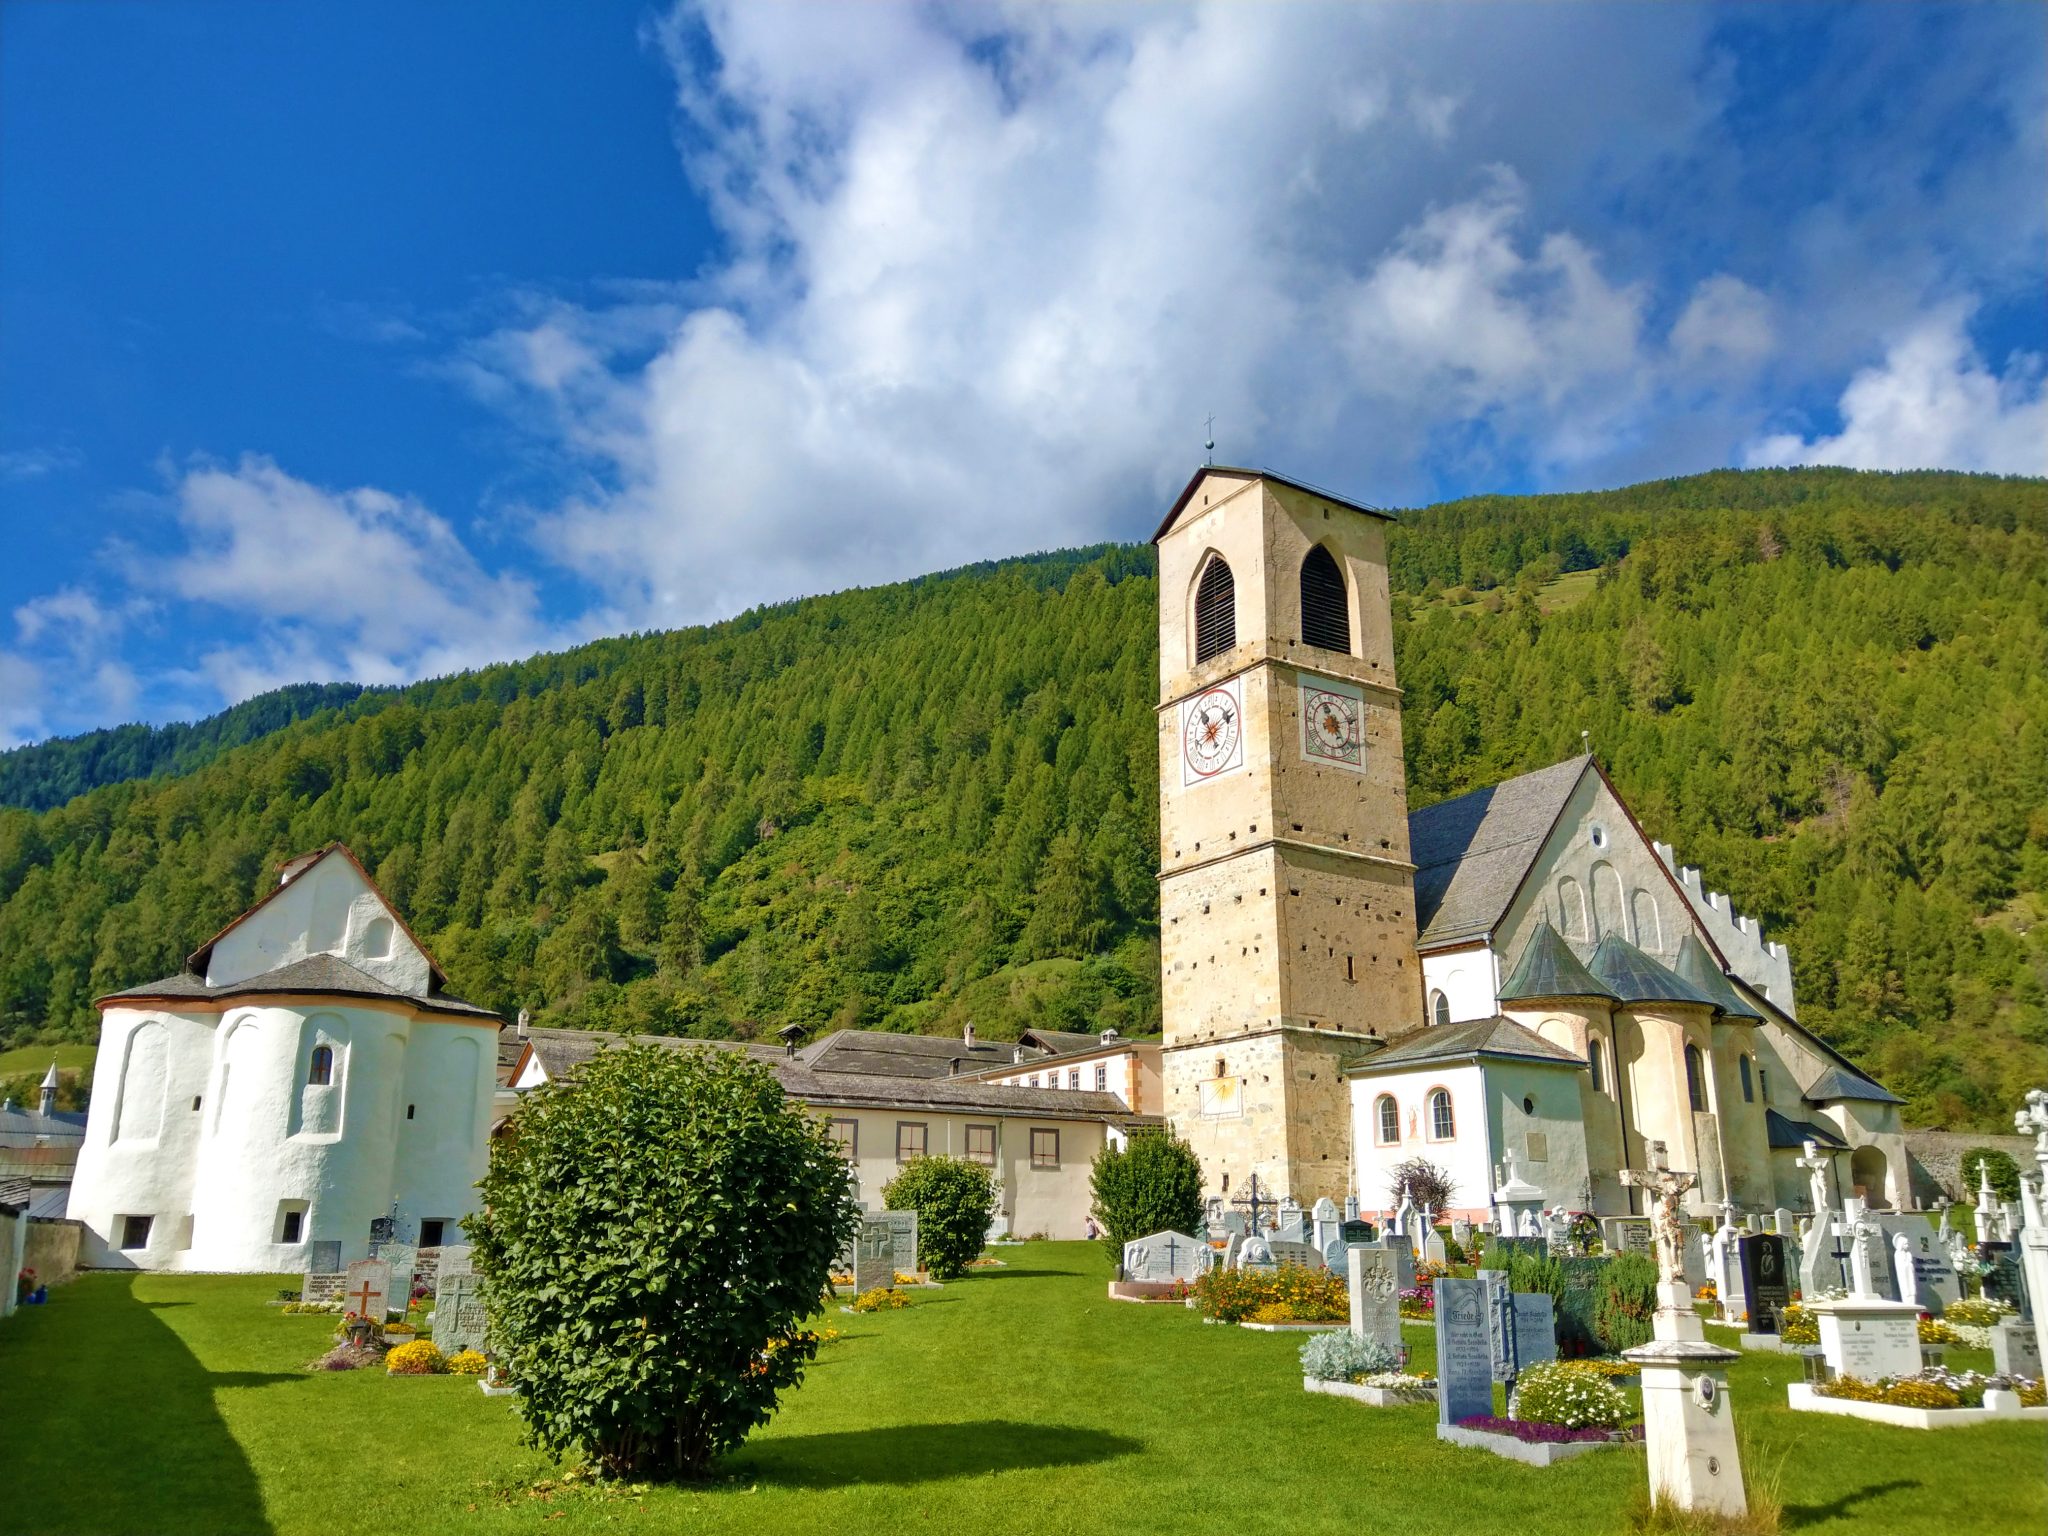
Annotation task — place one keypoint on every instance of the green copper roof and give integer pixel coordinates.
(1697, 967)
(1634, 977)
(1548, 968)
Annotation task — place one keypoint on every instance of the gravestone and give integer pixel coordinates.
(874, 1255)
(1355, 1231)
(1234, 1224)
(455, 1260)
(1375, 1291)
(1935, 1284)
(2015, 1351)
(1293, 1226)
(1766, 1280)
(1783, 1224)
(322, 1288)
(1325, 1224)
(1461, 1231)
(1433, 1249)
(1535, 1324)
(366, 1288)
(1162, 1258)
(1557, 1233)
(1870, 1270)
(1351, 1211)
(1336, 1258)
(1286, 1252)
(1498, 1303)
(403, 1259)
(458, 1315)
(902, 1227)
(1866, 1344)
(1464, 1354)
(1695, 1260)
(1630, 1234)
(2005, 1282)
(324, 1257)
(1404, 1259)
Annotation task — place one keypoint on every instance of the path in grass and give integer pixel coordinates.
(1017, 1400)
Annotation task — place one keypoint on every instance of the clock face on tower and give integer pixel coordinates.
(1212, 733)
(1332, 723)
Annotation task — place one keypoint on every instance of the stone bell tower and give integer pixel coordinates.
(1286, 901)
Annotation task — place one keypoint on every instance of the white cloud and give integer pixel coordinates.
(34, 463)
(1932, 404)
(1727, 324)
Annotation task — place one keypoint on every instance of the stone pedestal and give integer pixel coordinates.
(1688, 1418)
(1865, 1337)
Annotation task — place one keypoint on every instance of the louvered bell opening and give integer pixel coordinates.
(1215, 611)
(1325, 620)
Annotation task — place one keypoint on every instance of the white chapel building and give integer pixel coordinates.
(304, 1076)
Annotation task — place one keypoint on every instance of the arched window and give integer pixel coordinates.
(1441, 1126)
(1325, 612)
(1439, 1008)
(1593, 1063)
(1695, 1080)
(321, 1072)
(1748, 1086)
(1390, 1119)
(1215, 610)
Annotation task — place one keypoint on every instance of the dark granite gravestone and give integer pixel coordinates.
(1766, 1280)
(1464, 1356)
(2006, 1282)
(324, 1257)
(1535, 1329)
(1356, 1231)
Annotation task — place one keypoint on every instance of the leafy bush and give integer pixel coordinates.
(1343, 1356)
(419, 1358)
(649, 1228)
(1625, 1302)
(955, 1201)
(2005, 1173)
(1308, 1295)
(466, 1362)
(1555, 1393)
(1154, 1184)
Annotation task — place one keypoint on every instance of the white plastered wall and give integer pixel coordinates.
(326, 908)
(1466, 979)
(1465, 1156)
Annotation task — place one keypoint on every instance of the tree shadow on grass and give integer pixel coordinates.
(124, 1434)
(904, 1454)
(1013, 1274)
(1813, 1514)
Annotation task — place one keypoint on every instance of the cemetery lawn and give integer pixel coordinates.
(1017, 1400)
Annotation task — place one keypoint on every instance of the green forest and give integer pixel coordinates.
(910, 806)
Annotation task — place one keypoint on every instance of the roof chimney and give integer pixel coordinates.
(48, 1100)
(525, 1018)
(967, 1034)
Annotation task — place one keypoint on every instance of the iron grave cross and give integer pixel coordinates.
(1253, 1200)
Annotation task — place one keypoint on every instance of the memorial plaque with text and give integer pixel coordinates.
(1464, 1357)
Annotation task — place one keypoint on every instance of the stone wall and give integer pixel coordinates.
(52, 1250)
(1936, 1160)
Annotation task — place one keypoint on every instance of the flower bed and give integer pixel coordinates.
(1418, 1304)
(1538, 1432)
(1292, 1293)
(1936, 1387)
(1533, 1444)
(881, 1299)
(419, 1358)
(1559, 1395)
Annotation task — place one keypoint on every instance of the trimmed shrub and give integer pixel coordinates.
(1625, 1302)
(1343, 1356)
(955, 1200)
(419, 1358)
(1152, 1185)
(1554, 1393)
(650, 1226)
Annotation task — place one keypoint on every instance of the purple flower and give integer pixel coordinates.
(1541, 1434)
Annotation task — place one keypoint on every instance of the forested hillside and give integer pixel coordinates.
(913, 805)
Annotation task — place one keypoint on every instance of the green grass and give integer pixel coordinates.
(36, 1058)
(1017, 1400)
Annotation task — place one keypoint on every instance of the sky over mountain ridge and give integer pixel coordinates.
(649, 316)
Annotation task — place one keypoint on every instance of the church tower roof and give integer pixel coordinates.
(1695, 965)
(1548, 968)
(1634, 977)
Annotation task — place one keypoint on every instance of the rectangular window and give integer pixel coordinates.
(1074, 1077)
(1102, 1078)
(433, 1233)
(910, 1140)
(981, 1144)
(845, 1135)
(135, 1232)
(1045, 1148)
(294, 1227)
(1034, 1079)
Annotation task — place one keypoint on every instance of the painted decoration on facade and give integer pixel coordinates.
(1333, 723)
(1212, 733)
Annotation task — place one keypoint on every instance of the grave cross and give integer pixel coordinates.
(1253, 1200)
(1172, 1255)
(1816, 1167)
(362, 1297)
(1668, 1187)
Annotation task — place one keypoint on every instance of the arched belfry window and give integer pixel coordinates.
(1695, 1081)
(1325, 612)
(1215, 610)
(321, 1071)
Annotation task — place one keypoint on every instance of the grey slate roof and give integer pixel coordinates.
(1842, 1083)
(321, 975)
(1698, 967)
(1479, 1037)
(884, 1054)
(1548, 968)
(1471, 854)
(28, 1127)
(1784, 1132)
(1634, 977)
(561, 1051)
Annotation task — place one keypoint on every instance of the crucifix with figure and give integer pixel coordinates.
(1668, 1187)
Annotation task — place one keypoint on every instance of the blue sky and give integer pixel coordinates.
(367, 341)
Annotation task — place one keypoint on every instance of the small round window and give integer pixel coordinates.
(1599, 835)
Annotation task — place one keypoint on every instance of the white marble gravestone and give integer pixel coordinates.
(1304, 1254)
(366, 1288)
(1325, 1223)
(1162, 1258)
(1375, 1290)
(404, 1260)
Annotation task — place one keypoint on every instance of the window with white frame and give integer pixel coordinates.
(1442, 1125)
